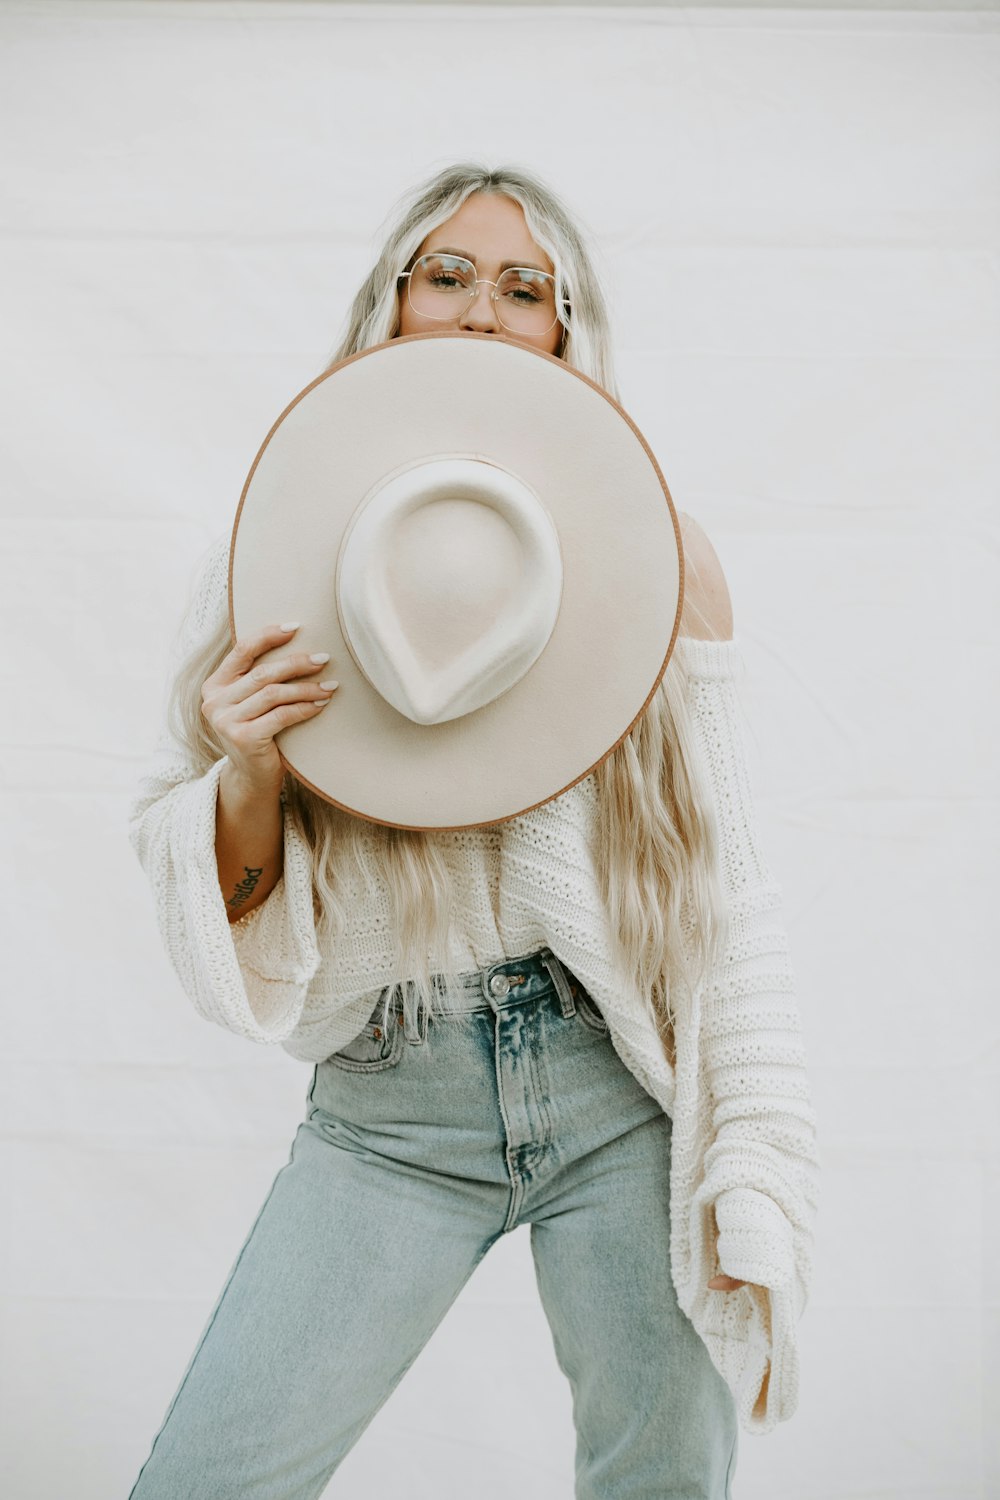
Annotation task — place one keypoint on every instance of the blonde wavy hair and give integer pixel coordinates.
(656, 853)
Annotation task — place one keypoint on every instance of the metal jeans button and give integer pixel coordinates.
(500, 984)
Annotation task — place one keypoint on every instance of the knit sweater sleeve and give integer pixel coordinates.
(250, 976)
(754, 1191)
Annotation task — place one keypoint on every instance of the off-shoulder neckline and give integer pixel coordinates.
(704, 658)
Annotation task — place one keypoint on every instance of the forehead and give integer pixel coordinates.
(488, 228)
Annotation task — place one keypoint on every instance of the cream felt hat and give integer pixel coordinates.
(483, 540)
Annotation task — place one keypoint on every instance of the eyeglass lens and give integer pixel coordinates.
(442, 286)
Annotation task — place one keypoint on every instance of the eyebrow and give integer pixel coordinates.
(507, 265)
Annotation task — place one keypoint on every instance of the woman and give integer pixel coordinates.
(582, 1019)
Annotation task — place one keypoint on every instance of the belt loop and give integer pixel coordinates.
(560, 981)
(418, 1033)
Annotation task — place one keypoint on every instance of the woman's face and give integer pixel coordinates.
(488, 229)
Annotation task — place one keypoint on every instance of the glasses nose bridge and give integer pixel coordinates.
(491, 301)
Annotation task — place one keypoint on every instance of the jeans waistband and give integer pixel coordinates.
(500, 986)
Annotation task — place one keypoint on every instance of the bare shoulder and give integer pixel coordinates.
(708, 609)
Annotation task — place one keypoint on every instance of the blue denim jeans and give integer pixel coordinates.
(422, 1145)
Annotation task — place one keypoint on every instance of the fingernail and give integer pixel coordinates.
(293, 626)
(320, 656)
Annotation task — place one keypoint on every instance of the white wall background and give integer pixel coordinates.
(797, 212)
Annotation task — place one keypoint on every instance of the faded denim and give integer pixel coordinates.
(422, 1145)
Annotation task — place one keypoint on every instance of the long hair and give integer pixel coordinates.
(656, 850)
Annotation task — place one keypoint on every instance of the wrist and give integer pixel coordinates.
(239, 787)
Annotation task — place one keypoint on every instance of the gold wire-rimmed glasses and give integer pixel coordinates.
(441, 287)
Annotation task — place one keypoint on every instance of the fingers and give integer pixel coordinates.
(247, 728)
(241, 674)
(246, 650)
(238, 725)
(267, 695)
(248, 701)
(270, 682)
(273, 705)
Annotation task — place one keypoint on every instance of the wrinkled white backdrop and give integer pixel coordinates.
(796, 211)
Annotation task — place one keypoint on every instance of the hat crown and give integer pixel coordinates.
(449, 581)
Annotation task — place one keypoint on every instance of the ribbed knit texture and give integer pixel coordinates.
(743, 1158)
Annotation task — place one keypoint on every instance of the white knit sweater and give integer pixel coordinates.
(743, 1157)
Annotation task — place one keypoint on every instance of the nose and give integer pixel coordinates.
(480, 315)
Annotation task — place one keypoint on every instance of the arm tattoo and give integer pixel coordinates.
(245, 887)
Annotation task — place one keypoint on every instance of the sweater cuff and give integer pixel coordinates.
(755, 1239)
(253, 982)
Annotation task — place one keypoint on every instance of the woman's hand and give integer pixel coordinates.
(247, 702)
(722, 1283)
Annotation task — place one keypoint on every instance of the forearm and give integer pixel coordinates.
(249, 844)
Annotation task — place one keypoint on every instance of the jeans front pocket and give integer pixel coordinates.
(375, 1047)
(588, 1011)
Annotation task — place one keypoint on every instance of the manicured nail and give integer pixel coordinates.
(293, 626)
(320, 656)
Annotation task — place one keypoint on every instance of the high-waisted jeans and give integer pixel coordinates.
(422, 1145)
